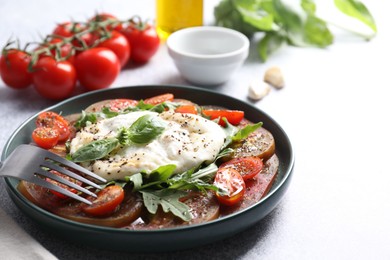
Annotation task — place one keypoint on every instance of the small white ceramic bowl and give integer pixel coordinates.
(207, 55)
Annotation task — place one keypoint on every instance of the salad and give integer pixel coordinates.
(167, 161)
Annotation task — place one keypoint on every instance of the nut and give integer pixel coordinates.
(258, 90)
(274, 77)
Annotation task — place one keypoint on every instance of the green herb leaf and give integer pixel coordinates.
(109, 113)
(145, 129)
(84, 118)
(136, 179)
(269, 44)
(317, 32)
(95, 150)
(169, 201)
(358, 10)
(162, 173)
(255, 16)
(246, 131)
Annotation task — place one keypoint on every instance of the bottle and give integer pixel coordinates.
(172, 15)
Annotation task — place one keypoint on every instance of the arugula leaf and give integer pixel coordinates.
(95, 150)
(357, 10)
(84, 118)
(136, 179)
(246, 131)
(109, 113)
(169, 201)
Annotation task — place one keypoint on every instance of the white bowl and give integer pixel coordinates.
(207, 55)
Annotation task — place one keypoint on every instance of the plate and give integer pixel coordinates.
(171, 239)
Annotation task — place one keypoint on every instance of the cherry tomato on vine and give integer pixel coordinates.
(159, 99)
(54, 79)
(106, 202)
(65, 50)
(68, 29)
(144, 42)
(234, 117)
(53, 120)
(232, 182)
(97, 68)
(119, 45)
(14, 69)
(106, 16)
(45, 137)
(248, 167)
(60, 195)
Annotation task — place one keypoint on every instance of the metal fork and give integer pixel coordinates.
(33, 164)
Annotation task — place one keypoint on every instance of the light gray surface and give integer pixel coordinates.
(334, 107)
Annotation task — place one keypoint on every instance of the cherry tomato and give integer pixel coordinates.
(69, 29)
(187, 109)
(231, 181)
(248, 167)
(106, 202)
(54, 79)
(159, 99)
(45, 137)
(14, 69)
(60, 195)
(234, 117)
(119, 45)
(53, 120)
(144, 42)
(120, 104)
(97, 68)
(65, 50)
(106, 16)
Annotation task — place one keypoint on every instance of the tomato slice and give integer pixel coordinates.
(60, 195)
(231, 181)
(248, 167)
(106, 202)
(45, 137)
(121, 104)
(187, 109)
(159, 99)
(234, 117)
(54, 120)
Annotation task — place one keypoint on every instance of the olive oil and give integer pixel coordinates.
(172, 15)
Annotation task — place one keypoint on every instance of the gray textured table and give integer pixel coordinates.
(334, 107)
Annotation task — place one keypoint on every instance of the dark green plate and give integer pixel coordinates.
(166, 239)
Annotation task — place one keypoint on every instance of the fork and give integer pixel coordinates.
(33, 164)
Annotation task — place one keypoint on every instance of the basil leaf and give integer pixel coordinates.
(255, 16)
(357, 10)
(269, 44)
(95, 150)
(317, 32)
(169, 201)
(145, 129)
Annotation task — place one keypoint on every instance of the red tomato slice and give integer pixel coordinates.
(159, 99)
(45, 137)
(121, 104)
(248, 167)
(230, 180)
(234, 117)
(60, 195)
(187, 109)
(54, 120)
(107, 201)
